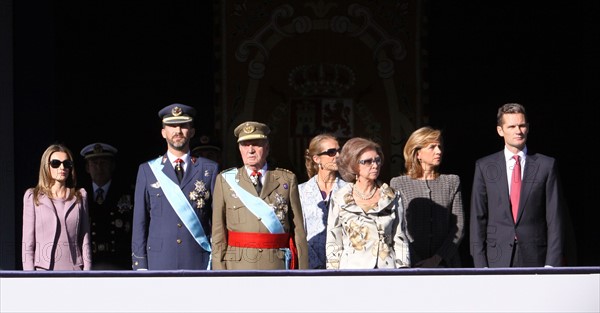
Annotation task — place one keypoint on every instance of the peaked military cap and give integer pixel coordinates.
(206, 144)
(251, 130)
(98, 149)
(177, 113)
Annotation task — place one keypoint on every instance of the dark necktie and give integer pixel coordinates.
(99, 195)
(258, 185)
(515, 187)
(179, 169)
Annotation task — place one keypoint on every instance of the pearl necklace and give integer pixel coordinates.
(363, 196)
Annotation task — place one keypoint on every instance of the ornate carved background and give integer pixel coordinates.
(304, 67)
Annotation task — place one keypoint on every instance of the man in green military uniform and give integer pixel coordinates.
(257, 218)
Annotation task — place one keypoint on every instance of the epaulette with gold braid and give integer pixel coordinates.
(285, 170)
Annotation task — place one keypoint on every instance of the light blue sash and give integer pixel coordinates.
(255, 204)
(180, 204)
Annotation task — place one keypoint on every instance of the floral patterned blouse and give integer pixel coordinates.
(363, 240)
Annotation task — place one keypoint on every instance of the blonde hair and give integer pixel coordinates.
(418, 140)
(314, 148)
(45, 180)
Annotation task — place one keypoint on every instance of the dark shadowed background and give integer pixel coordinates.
(87, 71)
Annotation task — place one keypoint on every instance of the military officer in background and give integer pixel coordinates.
(257, 218)
(173, 200)
(110, 207)
(207, 149)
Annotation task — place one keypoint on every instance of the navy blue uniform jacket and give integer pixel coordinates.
(160, 240)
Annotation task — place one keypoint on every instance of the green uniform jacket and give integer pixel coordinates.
(280, 190)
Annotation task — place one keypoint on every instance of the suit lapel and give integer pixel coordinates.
(69, 205)
(111, 193)
(503, 185)
(168, 169)
(46, 201)
(192, 168)
(271, 182)
(244, 181)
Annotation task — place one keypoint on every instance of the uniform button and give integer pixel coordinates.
(260, 250)
(112, 213)
(178, 240)
(136, 263)
(93, 233)
(179, 225)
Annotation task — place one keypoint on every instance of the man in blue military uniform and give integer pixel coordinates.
(110, 203)
(173, 201)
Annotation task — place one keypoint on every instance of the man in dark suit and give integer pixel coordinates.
(516, 221)
(110, 207)
(173, 201)
(257, 222)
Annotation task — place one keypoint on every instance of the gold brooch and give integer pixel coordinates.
(98, 148)
(249, 129)
(176, 111)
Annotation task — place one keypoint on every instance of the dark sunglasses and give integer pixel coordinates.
(369, 162)
(66, 163)
(330, 152)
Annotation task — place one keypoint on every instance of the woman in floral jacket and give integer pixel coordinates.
(365, 226)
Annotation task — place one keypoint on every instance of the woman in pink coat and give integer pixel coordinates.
(56, 230)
